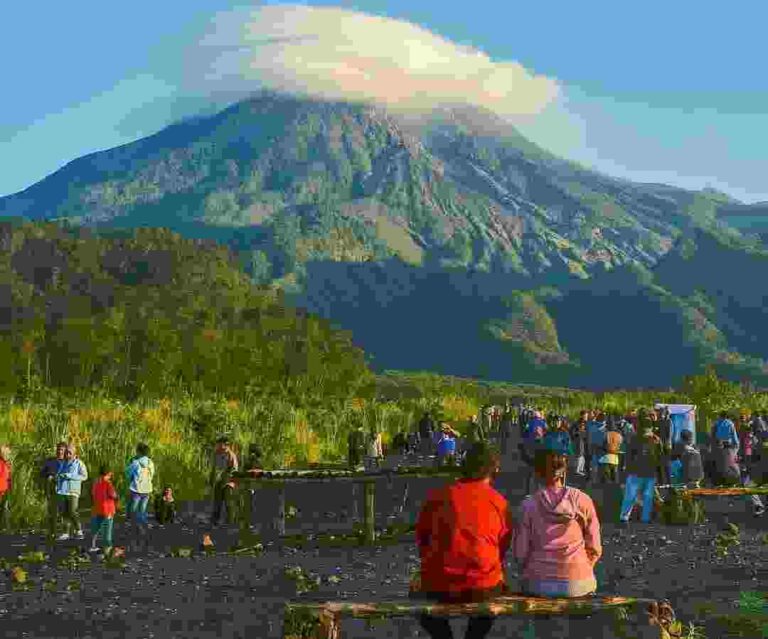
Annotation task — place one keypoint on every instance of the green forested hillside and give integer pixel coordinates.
(147, 312)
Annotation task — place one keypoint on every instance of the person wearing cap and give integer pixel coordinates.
(557, 541)
(462, 532)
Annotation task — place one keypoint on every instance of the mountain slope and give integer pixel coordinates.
(441, 230)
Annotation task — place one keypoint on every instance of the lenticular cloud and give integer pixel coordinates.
(337, 54)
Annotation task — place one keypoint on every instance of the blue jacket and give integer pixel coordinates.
(559, 441)
(724, 430)
(70, 476)
(596, 433)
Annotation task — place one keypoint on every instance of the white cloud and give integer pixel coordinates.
(337, 54)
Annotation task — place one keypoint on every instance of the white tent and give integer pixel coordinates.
(683, 418)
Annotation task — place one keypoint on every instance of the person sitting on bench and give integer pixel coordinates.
(557, 540)
(462, 532)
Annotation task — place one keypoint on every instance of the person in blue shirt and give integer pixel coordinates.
(595, 442)
(446, 445)
(724, 432)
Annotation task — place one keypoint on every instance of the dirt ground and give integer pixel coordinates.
(156, 595)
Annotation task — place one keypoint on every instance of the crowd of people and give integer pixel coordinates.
(640, 451)
(465, 529)
(62, 477)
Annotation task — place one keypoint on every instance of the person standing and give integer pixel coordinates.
(426, 431)
(355, 447)
(642, 467)
(49, 472)
(71, 474)
(139, 474)
(595, 443)
(225, 463)
(609, 461)
(690, 457)
(462, 532)
(557, 542)
(531, 442)
(6, 483)
(579, 439)
(375, 452)
(446, 446)
(105, 500)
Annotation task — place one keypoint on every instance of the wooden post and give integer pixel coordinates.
(246, 514)
(280, 519)
(355, 502)
(369, 513)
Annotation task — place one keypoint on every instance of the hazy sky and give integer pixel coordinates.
(659, 91)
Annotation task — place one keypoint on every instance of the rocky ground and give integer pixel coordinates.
(156, 595)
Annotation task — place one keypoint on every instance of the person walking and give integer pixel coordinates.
(557, 542)
(462, 532)
(642, 467)
(105, 499)
(71, 474)
(6, 483)
(139, 475)
(225, 463)
(49, 472)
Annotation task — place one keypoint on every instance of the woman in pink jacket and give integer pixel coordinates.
(557, 540)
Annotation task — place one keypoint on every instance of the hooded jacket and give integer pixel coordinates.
(558, 537)
(139, 473)
(70, 476)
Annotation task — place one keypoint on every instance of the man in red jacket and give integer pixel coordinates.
(462, 533)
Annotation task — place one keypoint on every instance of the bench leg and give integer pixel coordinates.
(330, 626)
(279, 522)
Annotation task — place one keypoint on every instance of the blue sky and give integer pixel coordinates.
(672, 92)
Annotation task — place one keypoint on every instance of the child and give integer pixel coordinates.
(104, 507)
(165, 507)
(5, 486)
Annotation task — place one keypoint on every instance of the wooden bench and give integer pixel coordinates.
(322, 620)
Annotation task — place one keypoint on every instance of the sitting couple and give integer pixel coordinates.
(465, 529)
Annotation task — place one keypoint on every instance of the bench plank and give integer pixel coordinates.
(328, 615)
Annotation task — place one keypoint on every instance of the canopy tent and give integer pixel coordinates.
(683, 418)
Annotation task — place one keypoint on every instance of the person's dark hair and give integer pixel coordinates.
(103, 470)
(142, 449)
(548, 464)
(686, 436)
(223, 439)
(723, 414)
(62, 445)
(481, 461)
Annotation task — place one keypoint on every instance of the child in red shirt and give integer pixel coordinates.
(5, 486)
(104, 507)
